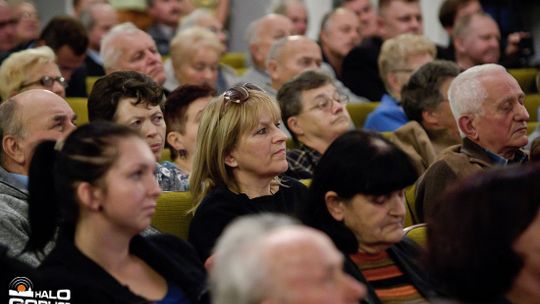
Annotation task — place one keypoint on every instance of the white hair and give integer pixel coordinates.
(193, 18)
(239, 274)
(108, 52)
(467, 92)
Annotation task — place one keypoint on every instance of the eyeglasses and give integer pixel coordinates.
(325, 104)
(238, 94)
(47, 81)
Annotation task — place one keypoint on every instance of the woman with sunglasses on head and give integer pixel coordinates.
(240, 154)
(99, 192)
(31, 69)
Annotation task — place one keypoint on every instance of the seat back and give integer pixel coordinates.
(417, 233)
(79, 105)
(360, 111)
(532, 102)
(526, 78)
(90, 80)
(410, 207)
(172, 215)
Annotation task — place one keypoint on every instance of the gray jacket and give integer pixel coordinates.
(14, 225)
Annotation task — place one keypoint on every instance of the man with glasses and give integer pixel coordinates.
(314, 112)
(399, 58)
(7, 30)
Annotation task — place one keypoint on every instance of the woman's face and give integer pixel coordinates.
(130, 188)
(376, 220)
(527, 245)
(199, 68)
(260, 152)
(39, 71)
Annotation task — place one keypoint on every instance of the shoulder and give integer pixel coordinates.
(170, 178)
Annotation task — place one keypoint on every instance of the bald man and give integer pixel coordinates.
(25, 120)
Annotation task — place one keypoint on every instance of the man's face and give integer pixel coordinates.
(139, 53)
(400, 17)
(45, 116)
(341, 34)
(105, 18)
(297, 56)
(480, 43)
(443, 112)
(502, 127)
(298, 15)
(167, 11)
(322, 124)
(366, 16)
(7, 28)
(403, 75)
(270, 29)
(68, 61)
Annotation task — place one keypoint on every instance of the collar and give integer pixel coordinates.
(23, 179)
(95, 56)
(494, 158)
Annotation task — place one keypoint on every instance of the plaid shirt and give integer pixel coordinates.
(302, 161)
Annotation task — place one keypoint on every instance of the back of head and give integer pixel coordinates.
(280, 6)
(10, 124)
(461, 26)
(14, 71)
(109, 90)
(56, 169)
(422, 91)
(225, 119)
(186, 43)
(64, 30)
(472, 230)
(357, 162)
(449, 11)
(193, 19)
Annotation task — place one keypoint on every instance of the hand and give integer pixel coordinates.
(512, 42)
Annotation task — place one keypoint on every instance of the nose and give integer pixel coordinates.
(69, 127)
(280, 136)
(352, 290)
(415, 25)
(153, 187)
(336, 107)
(397, 203)
(58, 89)
(149, 130)
(522, 114)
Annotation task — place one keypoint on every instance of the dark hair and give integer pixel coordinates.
(357, 162)
(86, 155)
(109, 90)
(448, 11)
(65, 30)
(289, 95)
(472, 228)
(422, 91)
(177, 105)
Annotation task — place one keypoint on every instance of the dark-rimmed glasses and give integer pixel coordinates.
(47, 81)
(324, 103)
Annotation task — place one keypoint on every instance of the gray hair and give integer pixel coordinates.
(280, 6)
(193, 18)
(110, 54)
(238, 275)
(467, 92)
(10, 122)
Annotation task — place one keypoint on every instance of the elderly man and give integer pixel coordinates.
(25, 120)
(127, 48)
(399, 58)
(166, 15)
(366, 13)
(269, 259)
(476, 40)
(432, 127)
(340, 32)
(295, 10)
(261, 34)
(360, 71)
(98, 19)
(314, 113)
(135, 100)
(487, 104)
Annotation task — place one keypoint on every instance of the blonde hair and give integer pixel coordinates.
(14, 70)
(222, 126)
(187, 42)
(396, 52)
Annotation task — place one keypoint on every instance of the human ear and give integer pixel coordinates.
(230, 161)
(335, 205)
(89, 196)
(294, 125)
(12, 148)
(175, 139)
(467, 126)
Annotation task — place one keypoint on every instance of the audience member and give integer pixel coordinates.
(487, 104)
(134, 99)
(81, 5)
(366, 13)
(399, 58)
(240, 154)
(127, 48)
(476, 40)
(260, 35)
(166, 15)
(266, 259)
(28, 24)
(357, 198)
(295, 10)
(195, 55)
(491, 255)
(31, 69)
(183, 111)
(68, 39)
(340, 32)
(204, 18)
(100, 184)
(432, 127)
(25, 120)
(97, 19)
(8, 38)
(314, 112)
(360, 72)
